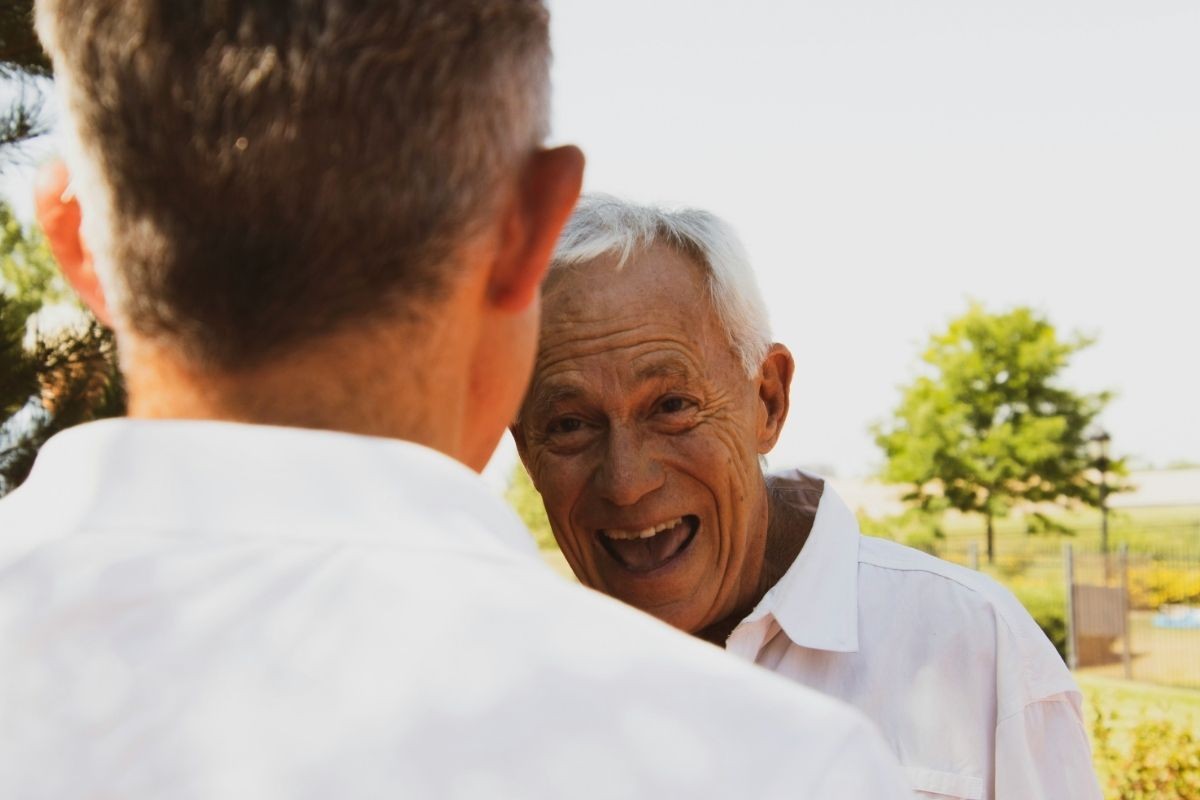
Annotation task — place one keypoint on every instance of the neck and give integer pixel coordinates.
(382, 382)
(787, 527)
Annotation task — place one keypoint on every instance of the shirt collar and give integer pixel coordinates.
(816, 600)
(255, 480)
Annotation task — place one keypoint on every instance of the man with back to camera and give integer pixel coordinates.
(319, 229)
(656, 390)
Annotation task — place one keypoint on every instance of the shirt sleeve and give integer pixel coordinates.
(1042, 753)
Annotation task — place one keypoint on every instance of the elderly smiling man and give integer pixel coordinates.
(656, 391)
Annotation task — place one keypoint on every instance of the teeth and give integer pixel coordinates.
(646, 533)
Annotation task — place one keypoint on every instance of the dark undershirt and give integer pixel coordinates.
(792, 500)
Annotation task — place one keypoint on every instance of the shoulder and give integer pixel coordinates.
(924, 570)
(462, 654)
(655, 699)
(764, 723)
(953, 597)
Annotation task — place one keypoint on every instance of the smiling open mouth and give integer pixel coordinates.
(649, 548)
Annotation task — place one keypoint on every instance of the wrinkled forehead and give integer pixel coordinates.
(659, 280)
(611, 327)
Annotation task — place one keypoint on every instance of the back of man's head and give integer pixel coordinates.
(255, 173)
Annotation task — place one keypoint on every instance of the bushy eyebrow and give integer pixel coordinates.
(548, 395)
(545, 398)
(664, 368)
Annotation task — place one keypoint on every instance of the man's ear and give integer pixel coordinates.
(518, 434)
(517, 430)
(59, 215)
(546, 195)
(774, 395)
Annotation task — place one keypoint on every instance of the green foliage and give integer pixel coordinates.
(1154, 759)
(28, 274)
(1012, 567)
(988, 425)
(1046, 602)
(925, 542)
(526, 501)
(915, 527)
(22, 63)
(19, 46)
(26, 280)
(18, 370)
(56, 381)
(79, 382)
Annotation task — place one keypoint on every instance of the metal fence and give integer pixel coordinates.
(1131, 612)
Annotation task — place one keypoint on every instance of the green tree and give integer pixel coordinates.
(526, 501)
(27, 280)
(987, 424)
(48, 381)
(23, 64)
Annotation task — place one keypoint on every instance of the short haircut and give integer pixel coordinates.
(259, 173)
(602, 225)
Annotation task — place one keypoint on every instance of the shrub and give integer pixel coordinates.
(914, 528)
(1013, 565)
(1047, 604)
(1154, 585)
(1154, 759)
(923, 541)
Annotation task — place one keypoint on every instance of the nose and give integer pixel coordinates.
(629, 471)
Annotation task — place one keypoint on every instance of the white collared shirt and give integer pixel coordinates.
(964, 686)
(209, 610)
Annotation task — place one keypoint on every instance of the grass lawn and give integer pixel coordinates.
(1134, 702)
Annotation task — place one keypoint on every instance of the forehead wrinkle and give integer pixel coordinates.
(658, 367)
(582, 346)
(567, 321)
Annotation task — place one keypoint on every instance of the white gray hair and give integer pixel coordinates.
(604, 225)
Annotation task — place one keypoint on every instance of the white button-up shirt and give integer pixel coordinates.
(208, 610)
(964, 686)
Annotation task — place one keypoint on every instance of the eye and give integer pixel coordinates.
(674, 404)
(568, 435)
(564, 425)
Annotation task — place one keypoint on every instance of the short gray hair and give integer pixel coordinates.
(605, 225)
(256, 175)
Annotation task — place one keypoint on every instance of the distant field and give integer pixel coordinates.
(1141, 528)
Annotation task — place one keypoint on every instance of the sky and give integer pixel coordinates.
(885, 163)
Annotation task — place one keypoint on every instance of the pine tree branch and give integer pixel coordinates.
(19, 45)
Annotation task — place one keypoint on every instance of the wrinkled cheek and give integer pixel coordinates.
(729, 557)
(576, 546)
(567, 538)
(733, 498)
(579, 555)
(552, 486)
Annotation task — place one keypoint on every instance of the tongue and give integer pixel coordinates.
(643, 555)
